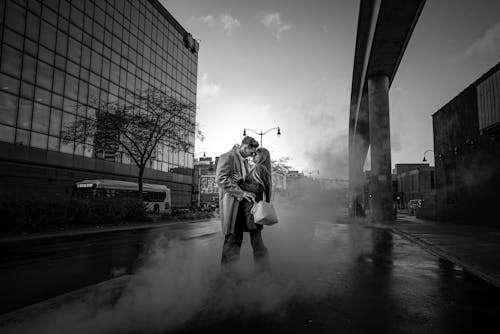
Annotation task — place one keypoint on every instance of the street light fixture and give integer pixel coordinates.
(261, 133)
(424, 159)
(199, 177)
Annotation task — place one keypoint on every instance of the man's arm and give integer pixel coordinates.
(225, 179)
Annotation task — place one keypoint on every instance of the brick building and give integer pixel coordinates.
(467, 153)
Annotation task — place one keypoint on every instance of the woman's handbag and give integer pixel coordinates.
(264, 213)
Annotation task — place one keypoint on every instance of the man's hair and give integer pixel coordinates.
(250, 141)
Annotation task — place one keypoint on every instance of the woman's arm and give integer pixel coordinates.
(252, 187)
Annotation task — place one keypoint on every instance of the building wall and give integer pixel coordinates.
(414, 181)
(467, 161)
(58, 56)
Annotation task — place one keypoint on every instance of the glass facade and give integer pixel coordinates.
(57, 56)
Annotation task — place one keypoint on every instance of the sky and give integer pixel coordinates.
(288, 63)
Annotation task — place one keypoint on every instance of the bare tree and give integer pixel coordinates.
(148, 120)
(281, 165)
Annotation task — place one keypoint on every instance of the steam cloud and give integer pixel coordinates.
(180, 284)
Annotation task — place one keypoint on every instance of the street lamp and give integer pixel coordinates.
(278, 133)
(199, 177)
(424, 159)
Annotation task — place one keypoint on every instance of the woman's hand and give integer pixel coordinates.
(249, 196)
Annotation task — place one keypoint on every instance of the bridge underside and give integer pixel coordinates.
(384, 29)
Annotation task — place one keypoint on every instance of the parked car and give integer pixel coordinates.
(413, 204)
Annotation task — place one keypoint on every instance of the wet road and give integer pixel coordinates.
(326, 277)
(35, 270)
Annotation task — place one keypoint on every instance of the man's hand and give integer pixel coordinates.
(249, 196)
(236, 178)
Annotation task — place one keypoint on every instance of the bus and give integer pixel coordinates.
(157, 198)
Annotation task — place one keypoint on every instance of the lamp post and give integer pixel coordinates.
(262, 133)
(199, 177)
(424, 159)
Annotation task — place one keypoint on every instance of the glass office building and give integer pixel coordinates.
(59, 55)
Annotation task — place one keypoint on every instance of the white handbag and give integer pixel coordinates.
(264, 213)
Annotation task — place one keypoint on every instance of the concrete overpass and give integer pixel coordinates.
(384, 30)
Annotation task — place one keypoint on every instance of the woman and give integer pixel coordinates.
(259, 182)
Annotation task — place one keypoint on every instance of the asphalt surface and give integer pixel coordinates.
(35, 269)
(326, 277)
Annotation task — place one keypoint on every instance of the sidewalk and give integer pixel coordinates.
(95, 229)
(474, 248)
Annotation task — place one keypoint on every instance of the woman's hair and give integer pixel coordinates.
(262, 171)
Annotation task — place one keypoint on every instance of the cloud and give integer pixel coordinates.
(207, 90)
(274, 23)
(225, 22)
(488, 43)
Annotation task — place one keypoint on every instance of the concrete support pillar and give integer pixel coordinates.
(359, 142)
(380, 141)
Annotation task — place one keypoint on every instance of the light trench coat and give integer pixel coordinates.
(230, 194)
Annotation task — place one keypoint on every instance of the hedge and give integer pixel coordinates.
(32, 216)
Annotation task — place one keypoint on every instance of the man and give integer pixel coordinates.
(231, 168)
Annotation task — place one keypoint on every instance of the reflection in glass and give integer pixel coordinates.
(38, 140)
(9, 84)
(42, 96)
(12, 38)
(41, 115)
(15, 17)
(11, 61)
(47, 35)
(7, 133)
(44, 75)
(25, 113)
(8, 108)
(53, 144)
(22, 137)
(55, 122)
(29, 68)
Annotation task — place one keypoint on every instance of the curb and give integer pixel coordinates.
(102, 293)
(73, 233)
(442, 254)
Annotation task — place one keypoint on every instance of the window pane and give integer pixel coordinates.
(46, 55)
(9, 84)
(55, 122)
(74, 51)
(38, 140)
(42, 96)
(22, 137)
(12, 38)
(58, 81)
(62, 43)
(44, 75)
(53, 143)
(86, 57)
(11, 61)
(7, 133)
(83, 92)
(67, 147)
(77, 16)
(8, 108)
(47, 35)
(71, 88)
(41, 114)
(96, 63)
(25, 113)
(27, 90)
(14, 17)
(49, 15)
(57, 101)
